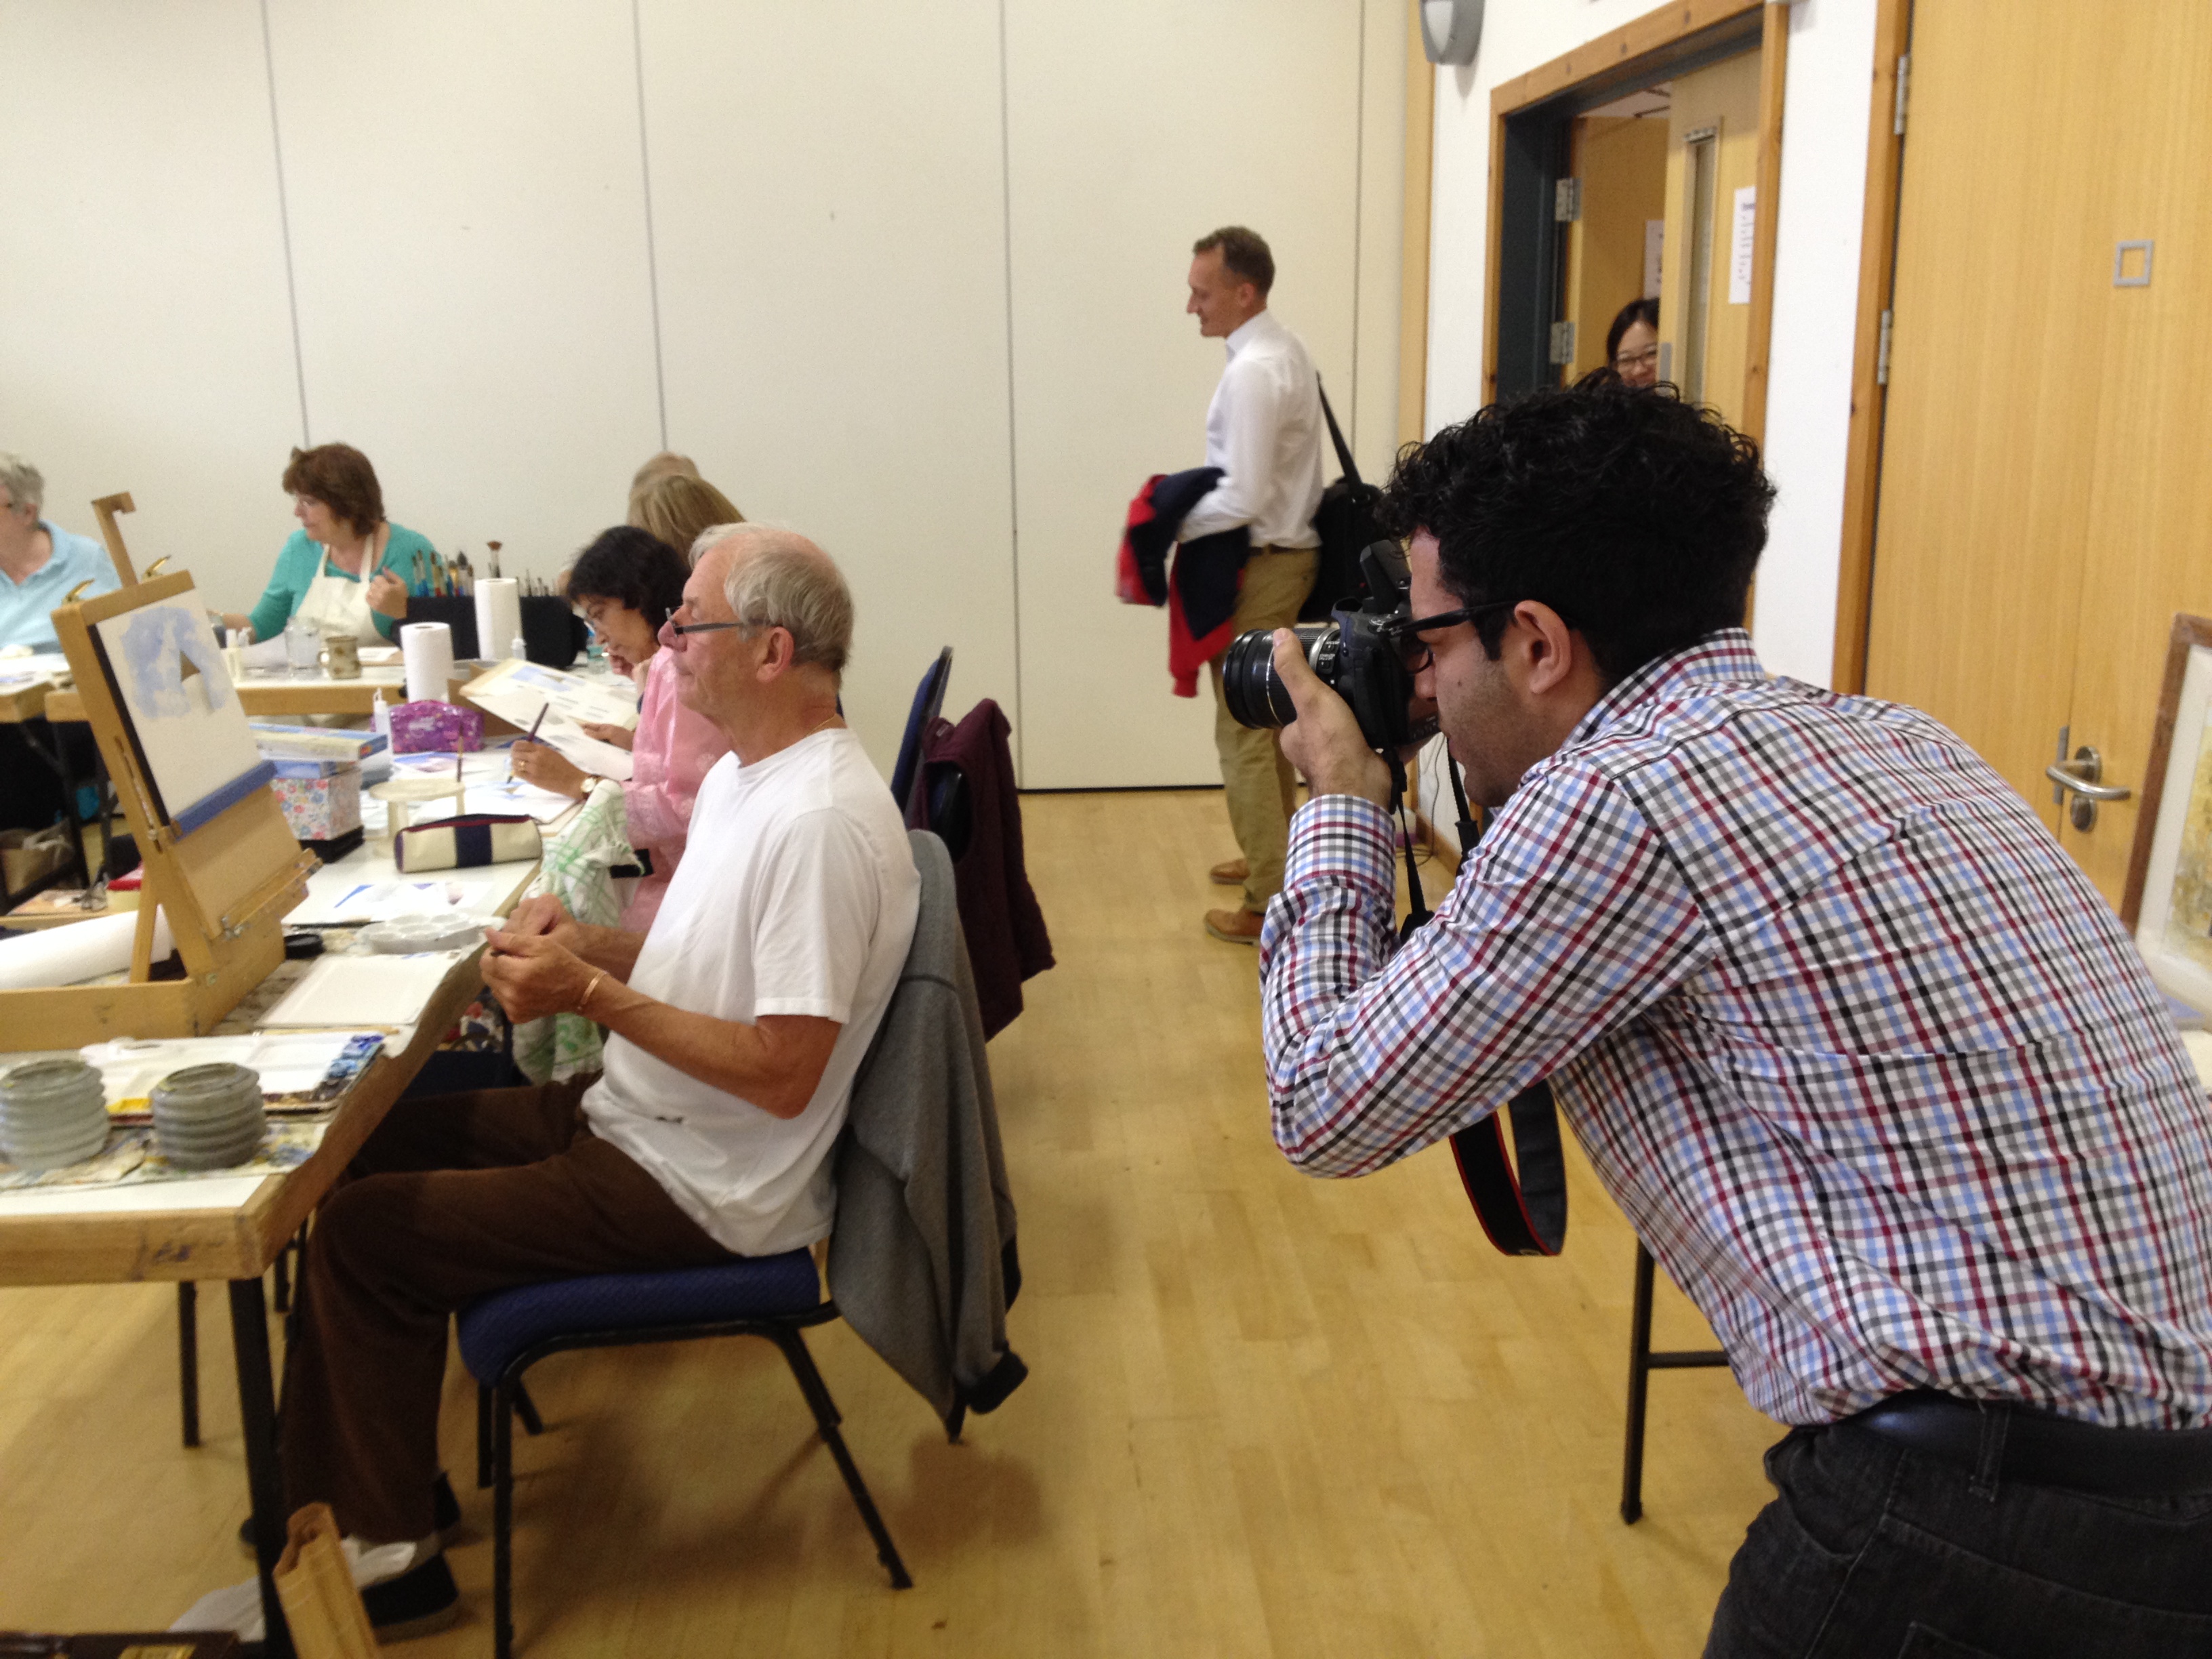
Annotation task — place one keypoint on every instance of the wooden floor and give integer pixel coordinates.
(1266, 1414)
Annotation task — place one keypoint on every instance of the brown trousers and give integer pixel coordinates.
(451, 1198)
(1262, 787)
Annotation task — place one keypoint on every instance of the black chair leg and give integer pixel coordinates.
(826, 1419)
(283, 1268)
(483, 1436)
(188, 1358)
(524, 1409)
(1639, 1383)
(502, 1521)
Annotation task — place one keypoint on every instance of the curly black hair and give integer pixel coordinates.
(1636, 516)
(633, 567)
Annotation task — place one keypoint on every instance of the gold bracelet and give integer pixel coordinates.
(585, 1000)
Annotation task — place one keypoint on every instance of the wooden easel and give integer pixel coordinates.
(226, 885)
(105, 510)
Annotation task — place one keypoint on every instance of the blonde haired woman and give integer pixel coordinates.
(677, 506)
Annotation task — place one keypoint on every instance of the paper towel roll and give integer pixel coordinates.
(499, 615)
(428, 650)
(81, 950)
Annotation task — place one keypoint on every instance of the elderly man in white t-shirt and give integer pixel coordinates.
(738, 1024)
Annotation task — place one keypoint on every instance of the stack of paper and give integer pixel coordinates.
(519, 692)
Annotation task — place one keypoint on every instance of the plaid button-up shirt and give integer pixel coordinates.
(1873, 1069)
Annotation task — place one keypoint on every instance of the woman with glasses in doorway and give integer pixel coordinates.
(1631, 344)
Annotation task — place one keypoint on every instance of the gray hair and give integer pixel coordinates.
(778, 579)
(22, 481)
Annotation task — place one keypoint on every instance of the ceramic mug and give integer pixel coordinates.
(343, 652)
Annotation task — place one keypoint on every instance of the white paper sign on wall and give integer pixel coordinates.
(1746, 223)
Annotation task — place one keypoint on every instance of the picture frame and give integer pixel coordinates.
(2167, 901)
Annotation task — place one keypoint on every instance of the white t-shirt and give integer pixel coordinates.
(797, 895)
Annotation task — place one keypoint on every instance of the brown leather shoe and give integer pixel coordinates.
(1231, 874)
(1239, 926)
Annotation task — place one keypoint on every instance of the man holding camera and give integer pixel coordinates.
(1873, 1070)
(1263, 430)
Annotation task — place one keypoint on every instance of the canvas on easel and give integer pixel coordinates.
(220, 859)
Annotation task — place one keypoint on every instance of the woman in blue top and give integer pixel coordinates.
(344, 538)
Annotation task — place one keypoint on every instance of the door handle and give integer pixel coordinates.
(2080, 776)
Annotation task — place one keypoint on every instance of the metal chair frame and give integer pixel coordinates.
(498, 1404)
(1642, 1361)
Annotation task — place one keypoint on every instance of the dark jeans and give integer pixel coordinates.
(1871, 1552)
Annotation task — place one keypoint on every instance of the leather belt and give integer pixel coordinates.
(1996, 1443)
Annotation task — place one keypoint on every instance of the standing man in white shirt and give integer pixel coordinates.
(1264, 431)
(738, 1024)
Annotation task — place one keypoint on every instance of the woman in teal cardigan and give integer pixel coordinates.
(342, 535)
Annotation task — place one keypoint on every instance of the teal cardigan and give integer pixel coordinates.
(296, 567)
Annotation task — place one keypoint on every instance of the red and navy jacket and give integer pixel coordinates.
(1199, 590)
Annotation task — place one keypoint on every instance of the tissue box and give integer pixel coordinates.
(429, 727)
(319, 807)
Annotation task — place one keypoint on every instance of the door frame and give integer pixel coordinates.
(1531, 119)
(1886, 124)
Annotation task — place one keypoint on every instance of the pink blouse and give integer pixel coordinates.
(670, 757)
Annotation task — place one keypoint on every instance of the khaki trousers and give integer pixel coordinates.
(1261, 786)
(452, 1197)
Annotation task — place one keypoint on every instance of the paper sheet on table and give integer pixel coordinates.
(519, 692)
(378, 656)
(487, 785)
(365, 990)
(359, 901)
(33, 666)
(303, 1069)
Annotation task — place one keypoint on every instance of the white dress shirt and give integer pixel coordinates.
(1264, 431)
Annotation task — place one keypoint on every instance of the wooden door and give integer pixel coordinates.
(2034, 531)
(1712, 152)
(1995, 372)
(2147, 551)
(1621, 161)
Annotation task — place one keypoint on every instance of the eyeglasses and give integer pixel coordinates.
(705, 628)
(1415, 652)
(1643, 359)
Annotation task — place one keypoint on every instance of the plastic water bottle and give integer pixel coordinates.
(515, 650)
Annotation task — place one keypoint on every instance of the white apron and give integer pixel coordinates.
(334, 604)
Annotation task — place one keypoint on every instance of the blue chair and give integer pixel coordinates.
(504, 1334)
(928, 704)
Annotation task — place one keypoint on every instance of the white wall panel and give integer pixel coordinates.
(1382, 236)
(145, 341)
(468, 220)
(1816, 285)
(827, 205)
(1135, 128)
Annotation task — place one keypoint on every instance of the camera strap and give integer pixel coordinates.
(1523, 1210)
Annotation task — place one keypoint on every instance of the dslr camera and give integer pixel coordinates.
(1361, 654)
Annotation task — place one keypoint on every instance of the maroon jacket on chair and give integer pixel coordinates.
(998, 911)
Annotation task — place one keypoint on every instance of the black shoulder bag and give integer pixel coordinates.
(1346, 523)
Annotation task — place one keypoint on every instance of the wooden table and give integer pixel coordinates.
(230, 1228)
(25, 700)
(268, 697)
(22, 703)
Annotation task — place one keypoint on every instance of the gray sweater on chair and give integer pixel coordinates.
(921, 1257)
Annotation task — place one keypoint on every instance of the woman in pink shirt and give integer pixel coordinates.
(625, 584)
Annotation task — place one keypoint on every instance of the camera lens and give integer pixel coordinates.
(1252, 690)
